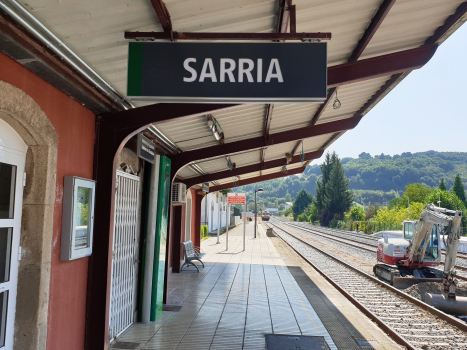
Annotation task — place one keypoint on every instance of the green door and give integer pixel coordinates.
(163, 203)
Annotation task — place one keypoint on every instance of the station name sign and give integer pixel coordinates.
(146, 149)
(227, 72)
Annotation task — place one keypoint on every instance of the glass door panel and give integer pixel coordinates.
(10, 223)
(7, 190)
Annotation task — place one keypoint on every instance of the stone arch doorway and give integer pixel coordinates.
(25, 116)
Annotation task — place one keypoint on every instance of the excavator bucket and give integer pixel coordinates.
(452, 306)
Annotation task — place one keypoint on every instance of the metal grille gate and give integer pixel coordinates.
(125, 254)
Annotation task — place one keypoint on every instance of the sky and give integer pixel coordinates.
(426, 111)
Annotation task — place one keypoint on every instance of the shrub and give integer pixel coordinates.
(204, 231)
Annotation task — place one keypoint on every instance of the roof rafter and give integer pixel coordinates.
(379, 17)
(257, 179)
(162, 15)
(181, 159)
(267, 121)
(357, 52)
(251, 168)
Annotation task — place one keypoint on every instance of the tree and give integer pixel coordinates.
(314, 213)
(288, 197)
(364, 155)
(333, 197)
(397, 215)
(416, 193)
(458, 189)
(394, 203)
(302, 217)
(442, 186)
(303, 200)
(449, 200)
(372, 211)
(356, 213)
(338, 197)
(288, 212)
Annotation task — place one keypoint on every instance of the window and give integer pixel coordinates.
(408, 230)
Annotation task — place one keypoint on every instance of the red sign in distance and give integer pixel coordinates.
(236, 198)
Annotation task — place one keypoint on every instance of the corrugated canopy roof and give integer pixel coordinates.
(361, 29)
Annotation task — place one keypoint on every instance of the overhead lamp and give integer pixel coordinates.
(337, 104)
(260, 190)
(284, 169)
(231, 165)
(302, 154)
(215, 128)
(288, 157)
(236, 183)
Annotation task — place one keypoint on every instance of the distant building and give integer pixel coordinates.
(271, 210)
(288, 205)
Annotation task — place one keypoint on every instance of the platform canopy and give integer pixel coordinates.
(375, 44)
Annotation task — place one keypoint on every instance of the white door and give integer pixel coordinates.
(125, 254)
(12, 160)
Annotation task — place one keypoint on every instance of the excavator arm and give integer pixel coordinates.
(452, 220)
(429, 217)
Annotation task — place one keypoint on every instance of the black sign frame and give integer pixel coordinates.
(202, 72)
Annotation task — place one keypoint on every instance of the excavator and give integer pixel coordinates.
(413, 259)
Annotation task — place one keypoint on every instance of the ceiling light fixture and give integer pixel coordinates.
(302, 154)
(231, 165)
(337, 104)
(215, 127)
(284, 169)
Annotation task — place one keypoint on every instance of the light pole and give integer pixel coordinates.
(408, 204)
(258, 190)
(439, 200)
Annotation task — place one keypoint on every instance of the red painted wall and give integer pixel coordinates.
(74, 125)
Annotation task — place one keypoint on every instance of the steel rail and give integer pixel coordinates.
(374, 250)
(448, 318)
(342, 240)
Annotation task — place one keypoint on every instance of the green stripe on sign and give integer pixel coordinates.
(135, 68)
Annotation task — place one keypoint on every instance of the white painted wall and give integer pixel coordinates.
(211, 201)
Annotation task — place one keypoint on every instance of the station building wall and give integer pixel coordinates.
(56, 317)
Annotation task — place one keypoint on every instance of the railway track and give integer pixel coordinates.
(410, 322)
(360, 242)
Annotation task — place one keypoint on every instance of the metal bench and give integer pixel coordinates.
(192, 253)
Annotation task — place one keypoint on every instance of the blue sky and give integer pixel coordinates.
(426, 111)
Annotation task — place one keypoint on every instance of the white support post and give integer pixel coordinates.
(227, 213)
(219, 207)
(244, 225)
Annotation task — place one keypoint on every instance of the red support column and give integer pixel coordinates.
(177, 218)
(197, 219)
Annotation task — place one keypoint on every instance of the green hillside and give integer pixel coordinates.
(373, 178)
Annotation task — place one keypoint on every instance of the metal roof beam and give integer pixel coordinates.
(163, 16)
(159, 113)
(257, 179)
(231, 148)
(371, 29)
(267, 122)
(375, 67)
(225, 36)
(251, 168)
(323, 106)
